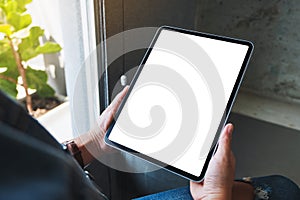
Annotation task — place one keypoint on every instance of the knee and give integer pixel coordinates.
(283, 181)
(280, 187)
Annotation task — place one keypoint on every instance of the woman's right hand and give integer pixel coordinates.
(219, 178)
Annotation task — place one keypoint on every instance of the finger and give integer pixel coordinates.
(108, 121)
(109, 113)
(118, 99)
(112, 108)
(116, 102)
(225, 139)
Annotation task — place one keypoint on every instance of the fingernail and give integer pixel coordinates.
(230, 129)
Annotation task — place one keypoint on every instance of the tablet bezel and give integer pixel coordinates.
(225, 116)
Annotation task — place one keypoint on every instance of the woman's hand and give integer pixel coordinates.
(91, 144)
(106, 118)
(219, 178)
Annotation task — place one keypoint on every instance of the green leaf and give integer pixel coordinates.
(22, 4)
(35, 33)
(30, 46)
(37, 79)
(27, 48)
(48, 47)
(14, 5)
(45, 91)
(18, 20)
(14, 74)
(6, 29)
(7, 59)
(8, 87)
(9, 6)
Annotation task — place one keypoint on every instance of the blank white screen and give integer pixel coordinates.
(227, 58)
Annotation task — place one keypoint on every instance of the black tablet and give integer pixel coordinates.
(179, 99)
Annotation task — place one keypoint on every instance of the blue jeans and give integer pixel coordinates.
(265, 188)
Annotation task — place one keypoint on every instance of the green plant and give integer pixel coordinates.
(20, 43)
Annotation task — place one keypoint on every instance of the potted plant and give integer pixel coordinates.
(20, 42)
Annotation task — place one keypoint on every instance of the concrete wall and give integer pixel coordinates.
(273, 27)
(123, 15)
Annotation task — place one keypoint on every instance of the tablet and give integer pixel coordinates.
(179, 100)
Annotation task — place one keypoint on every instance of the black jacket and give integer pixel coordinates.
(33, 165)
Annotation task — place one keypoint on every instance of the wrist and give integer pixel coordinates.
(216, 197)
(217, 194)
(83, 144)
(73, 150)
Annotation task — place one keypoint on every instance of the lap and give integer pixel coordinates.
(273, 187)
(175, 194)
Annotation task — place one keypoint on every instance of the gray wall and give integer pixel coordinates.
(274, 27)
(271, 25)
(123, 15)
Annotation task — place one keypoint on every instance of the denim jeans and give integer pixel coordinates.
(265, 188)
(274, 187)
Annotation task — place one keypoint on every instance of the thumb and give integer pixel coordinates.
(118, 99)
(225, 140)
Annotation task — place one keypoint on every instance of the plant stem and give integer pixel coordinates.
(22, 73)
(9, 79)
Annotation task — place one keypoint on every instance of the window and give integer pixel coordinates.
(72, 24)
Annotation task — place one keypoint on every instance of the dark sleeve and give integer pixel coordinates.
(12, 114)
(33, 165)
